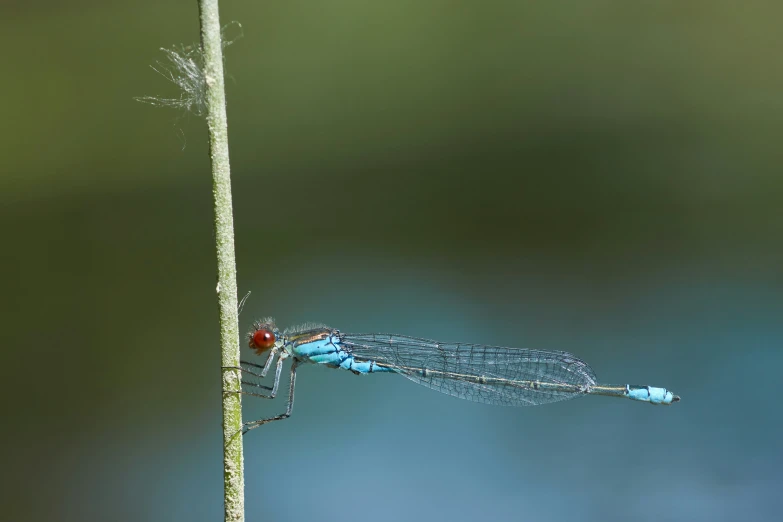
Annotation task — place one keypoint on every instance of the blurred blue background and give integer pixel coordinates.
(597, 177)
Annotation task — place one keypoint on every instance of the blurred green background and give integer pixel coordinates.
(599, 177)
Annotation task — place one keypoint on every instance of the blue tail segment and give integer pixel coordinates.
(650, 394)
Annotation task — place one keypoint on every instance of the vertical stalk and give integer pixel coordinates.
(233, 472)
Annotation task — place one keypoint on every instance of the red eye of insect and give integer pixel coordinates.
(262, 340)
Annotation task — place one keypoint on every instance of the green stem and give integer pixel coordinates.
(233, 463)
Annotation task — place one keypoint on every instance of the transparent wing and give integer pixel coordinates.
(487, 374)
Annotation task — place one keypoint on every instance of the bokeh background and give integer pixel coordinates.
(599, 177)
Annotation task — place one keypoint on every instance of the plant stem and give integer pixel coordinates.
(233, 462)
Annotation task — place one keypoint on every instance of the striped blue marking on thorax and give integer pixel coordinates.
(325, 348)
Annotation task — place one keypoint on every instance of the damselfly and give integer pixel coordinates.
(487, 374)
